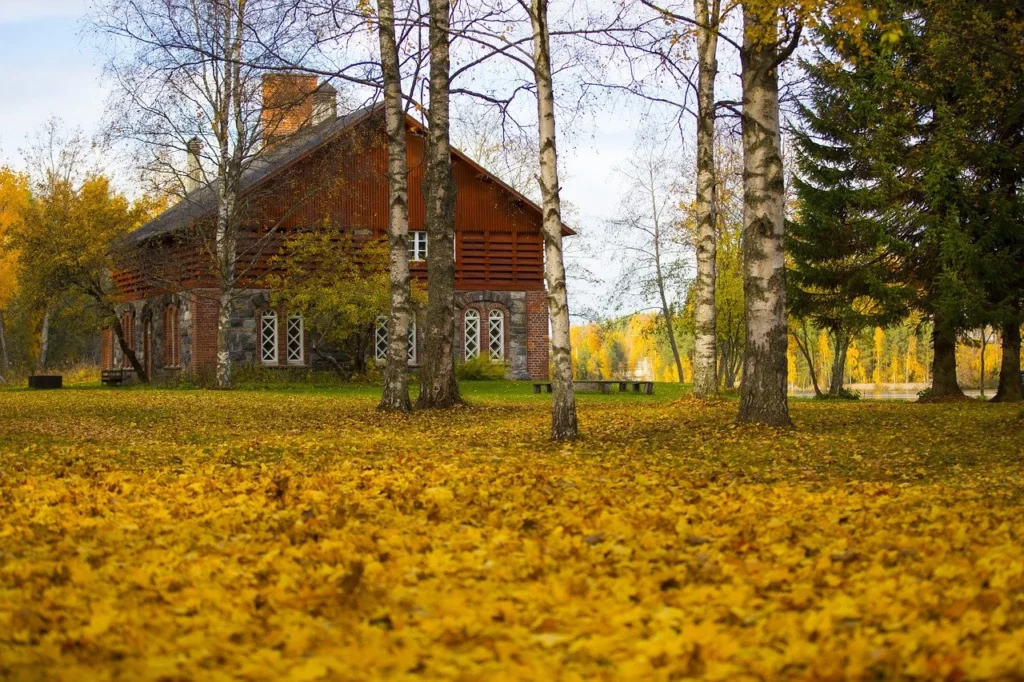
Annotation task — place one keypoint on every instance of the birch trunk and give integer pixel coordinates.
(44, 342)
(944, 381)
(438, 385)
(563, 405)
(1009, 371)
(395, 397)
(228, 180)
(705, 375)
(666, 309)
(842, 342)
(763, 390)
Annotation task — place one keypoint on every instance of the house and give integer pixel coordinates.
(320, 168)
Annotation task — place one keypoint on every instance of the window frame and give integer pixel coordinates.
(172, 338)
(498, 316)
(417, 246)
(301, 359)
(474, 329)
(266, 315)
(380, 340)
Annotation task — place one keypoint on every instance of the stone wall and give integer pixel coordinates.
(525, 312)
(513, 305)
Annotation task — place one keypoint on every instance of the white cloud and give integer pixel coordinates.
(12, 11)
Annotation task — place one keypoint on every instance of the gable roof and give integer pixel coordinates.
(202, 202)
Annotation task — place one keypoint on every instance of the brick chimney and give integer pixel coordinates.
(287, 104)
(193, 168)
(325, 103)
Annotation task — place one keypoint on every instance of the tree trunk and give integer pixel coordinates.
(805, 350)
(1009, 371)
(984, 343)
(842, 343)
(763, 390)
(128, 351)
(944, 382)
(44, 343)
(395, 397)
(563, 406)
(5, 360)
(666, 309)
(438, 386)
(705, 377)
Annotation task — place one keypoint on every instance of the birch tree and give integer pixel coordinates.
(439, 387)
(188, 71)
(705, 374)
(765, 368)
(563, 407)
(396, 373)
(654, 273)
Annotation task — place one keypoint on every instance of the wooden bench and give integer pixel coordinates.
(645, 387)
(116, 377)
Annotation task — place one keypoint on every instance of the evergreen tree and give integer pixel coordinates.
(842, 260)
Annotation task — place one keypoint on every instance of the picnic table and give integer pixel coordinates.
(645, 387)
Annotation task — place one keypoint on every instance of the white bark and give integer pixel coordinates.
(395, 397)
(563, 409)
(438, 385)
(763, 390)
(705, 374)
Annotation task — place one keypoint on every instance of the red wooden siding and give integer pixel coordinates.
(344, 183)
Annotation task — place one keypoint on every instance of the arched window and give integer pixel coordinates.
(496, 335)
(128, 329)
(172, 341)
(294, 340)
(472, 334)
(380, 346)
(268, 337)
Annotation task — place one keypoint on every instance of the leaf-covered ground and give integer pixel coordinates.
(180, 535)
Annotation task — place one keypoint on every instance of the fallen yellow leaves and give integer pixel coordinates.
(335, 543)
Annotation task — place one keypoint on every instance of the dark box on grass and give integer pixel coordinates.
(46, 381)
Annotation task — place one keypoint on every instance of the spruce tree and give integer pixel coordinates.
(842, 258)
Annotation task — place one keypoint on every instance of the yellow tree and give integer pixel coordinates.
(68, 239)
(876, 373)
(14, 194)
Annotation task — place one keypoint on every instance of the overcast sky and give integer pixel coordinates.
(48, 67)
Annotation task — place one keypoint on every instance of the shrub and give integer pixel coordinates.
(844, 394)
(481, 369)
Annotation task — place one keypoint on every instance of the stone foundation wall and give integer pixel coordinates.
(525, 339)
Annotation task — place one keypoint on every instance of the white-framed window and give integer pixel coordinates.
(417, 245)
(496, 335)
(268, 337)
(294, 340)
(472, 334)
(380, 339)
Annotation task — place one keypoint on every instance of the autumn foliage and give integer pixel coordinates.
(173, 535)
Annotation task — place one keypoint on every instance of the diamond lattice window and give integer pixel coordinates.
(268, 337)
(496, 335)
(472, 334)
(294, 340)
(380, 339)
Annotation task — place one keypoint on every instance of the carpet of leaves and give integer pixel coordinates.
(176, 536)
